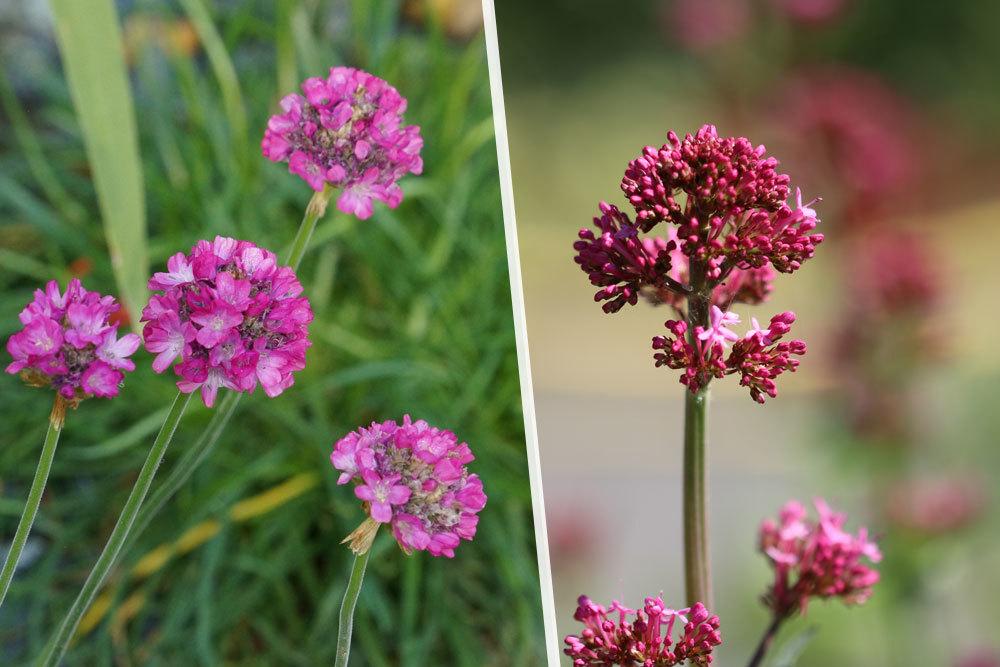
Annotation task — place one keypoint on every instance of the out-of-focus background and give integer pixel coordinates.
(889, 112)
(413, 315)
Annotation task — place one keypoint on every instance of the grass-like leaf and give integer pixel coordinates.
(91, 47)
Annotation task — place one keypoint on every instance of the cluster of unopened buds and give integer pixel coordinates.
(643, 636)
(346, 131)
(731, 229)
(413, 477)
(70, 343)
(233, 316)
(816, 559)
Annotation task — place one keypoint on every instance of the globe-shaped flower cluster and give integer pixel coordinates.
(347, 130)
(70, 343)
(413, 477)
(233, 316)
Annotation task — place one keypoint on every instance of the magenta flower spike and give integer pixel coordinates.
(730, 223)
(232, 315)
(346, 131)
(730, 229)
(413, 477)
(70, 343)
(622, 636)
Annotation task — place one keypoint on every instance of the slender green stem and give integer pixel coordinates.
(56, 648)
(766, 640)
(697, 564)
(34, 495)
(696, 558)
(347, 608)
(185, 467)
(314, 211)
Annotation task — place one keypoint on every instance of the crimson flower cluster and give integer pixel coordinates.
(346, 131)
(759, 356)
(233, 316)
(729, 229)
(70, 343)
(413, 477)
(644, 636)
(816, 559)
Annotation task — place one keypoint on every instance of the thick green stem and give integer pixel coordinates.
(697, 564)
(34, 495)
(347, 608)
(697, 577)
(60, 642)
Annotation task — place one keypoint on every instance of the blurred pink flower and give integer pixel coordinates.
(848, 126)
(816, 559)
(936, 506)
(980, 658)
(701, 25)
(811, 12)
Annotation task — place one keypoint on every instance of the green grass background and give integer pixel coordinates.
(413, 315)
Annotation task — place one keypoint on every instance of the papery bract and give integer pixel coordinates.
(70, 343)
(232, 315)
(413, 477)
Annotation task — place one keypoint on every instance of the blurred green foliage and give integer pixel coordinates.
(413, 315)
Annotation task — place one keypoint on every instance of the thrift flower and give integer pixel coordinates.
(346, 131)
(622, 636)
(413, 477)
(816, 559)
(70, 343)
(758, 356)
(233, 317)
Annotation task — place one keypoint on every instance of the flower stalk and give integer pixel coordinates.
(346, 626)
(35, 493)
(766, 640)
(697, 566)
(56, 648)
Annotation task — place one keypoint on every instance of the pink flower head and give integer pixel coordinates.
(816, 559)
(413, 477)
(758, 357)
(70, 343)
(347, 131)
(623, 636)
(233, 317)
